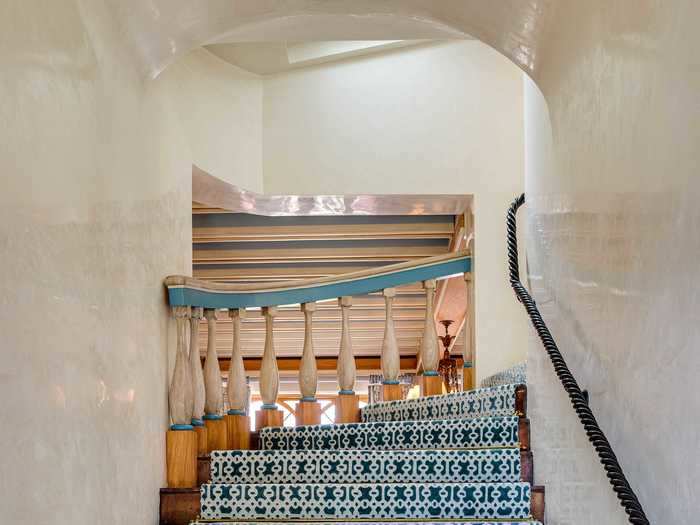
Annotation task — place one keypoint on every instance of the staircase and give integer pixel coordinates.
(461, 457)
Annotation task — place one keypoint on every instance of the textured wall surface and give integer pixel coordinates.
(220, 112)
(612, 227)
(94, 212)
(613, 241)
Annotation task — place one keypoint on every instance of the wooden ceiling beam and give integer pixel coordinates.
(294, 255)
(291, 364)
(326, 232)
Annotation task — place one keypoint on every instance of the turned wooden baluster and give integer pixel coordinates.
(181, 440)
(213, 405)
(269, 415)
(180, 395)
(237, 421)
(429, 351)
(198, 391)
(469, 336)
(308, 410)
(347, 404)
(391, 360)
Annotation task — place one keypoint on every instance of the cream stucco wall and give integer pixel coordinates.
(220, 112)
(92, 169)
(613, 245)
(94, 212)
(440, 118)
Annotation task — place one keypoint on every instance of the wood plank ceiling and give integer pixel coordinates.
(241, 248)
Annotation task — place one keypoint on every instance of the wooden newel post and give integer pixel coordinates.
(217, 438)
(308, 409)
(199, 394)
(181, 439)
(269, 415)
(430, 356)
(391, 359)
(468, 378)
(347, 405)
(237, 420)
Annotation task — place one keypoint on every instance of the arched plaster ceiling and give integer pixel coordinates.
(161, 30)
(265, 58)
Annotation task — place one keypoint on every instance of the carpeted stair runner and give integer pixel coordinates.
(482, 402)
(457, 459)
(485, 432)
(366, 466)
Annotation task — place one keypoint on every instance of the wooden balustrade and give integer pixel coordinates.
(308, 410)
(429, 351)
(237, 420)
(269, 415)
(468, 379)
(217, 438)
(391, 359)
(347, 408)
(181, 440)
(198, 390)
(196, 394)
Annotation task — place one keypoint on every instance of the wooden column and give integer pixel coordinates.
(214, 402)
(237, 420)
(347, 408)
(429, 351)
(391, 359)
(468, 378)
(308, 409)
(181, 440)
(199, 394)
(269, 415)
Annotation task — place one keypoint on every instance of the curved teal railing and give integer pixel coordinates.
(187, 291)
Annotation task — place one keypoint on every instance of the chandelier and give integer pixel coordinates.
(447, 368)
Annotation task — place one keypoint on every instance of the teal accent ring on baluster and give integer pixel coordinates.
(197, 422)
(430, 373)
(308, 399)
(181, 427)
(347, 392)
(236, 412)
(269, 406)
(468, 364)
(391, 382)
(212, 417)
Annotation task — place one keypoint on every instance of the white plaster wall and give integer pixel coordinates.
(431, 119)
(577, 491)
(613, 247)
(220, 111)
(94, 212)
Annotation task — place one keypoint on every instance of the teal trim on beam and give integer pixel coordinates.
(391, 382)
(197, 422)
(190, 296)
(467, 364)
(212, 417)
(346, 392)
(181, 427)
(236, 412)
(270, 406)
(430, 373)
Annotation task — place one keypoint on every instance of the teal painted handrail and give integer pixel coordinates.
(186, 291)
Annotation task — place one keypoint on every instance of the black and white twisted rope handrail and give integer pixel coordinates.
(617, 478)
